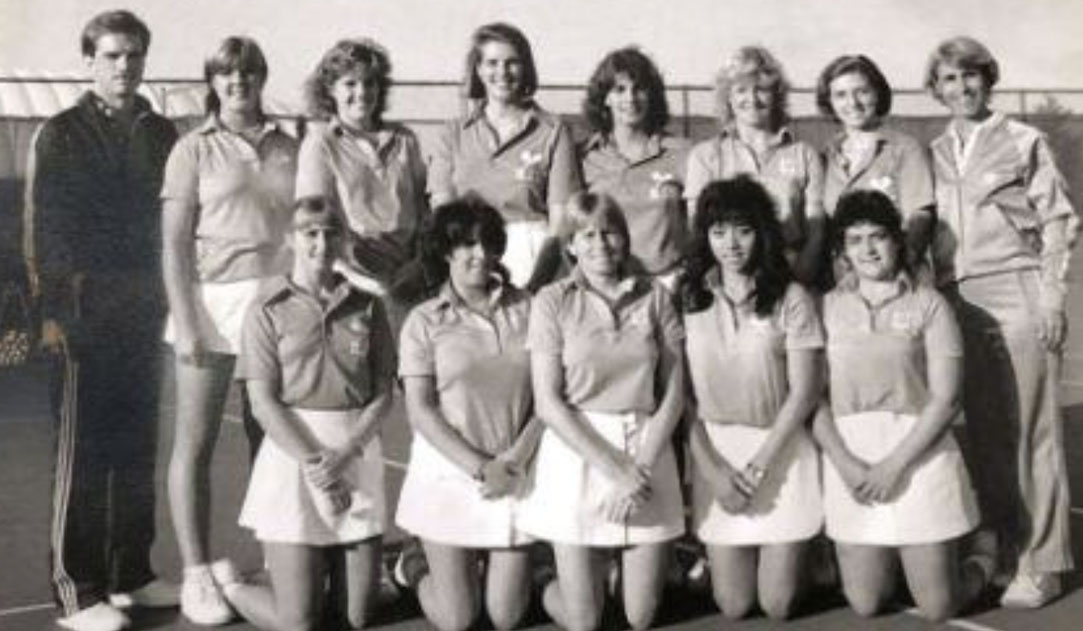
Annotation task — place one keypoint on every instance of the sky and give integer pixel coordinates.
(1037, 41)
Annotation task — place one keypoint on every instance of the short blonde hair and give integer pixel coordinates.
(964, 52)
(754, 63)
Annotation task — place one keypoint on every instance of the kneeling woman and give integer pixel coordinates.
(466, 372)
(894, 482)
(320, 362)
(754, 354)
(606, 356)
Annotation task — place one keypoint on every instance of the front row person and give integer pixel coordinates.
(466, 372)
(895, 486)
(606, 361)
(320, 362)
(754, 347)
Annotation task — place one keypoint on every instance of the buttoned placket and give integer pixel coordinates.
(376, 156)
(852, 173)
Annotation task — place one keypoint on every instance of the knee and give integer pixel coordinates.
(865, 602)
(778, 605)
(505, 616)
(298, 622)
(458, 617)
(641, 614)
(935, 606)
(583, 618)
(734, 605)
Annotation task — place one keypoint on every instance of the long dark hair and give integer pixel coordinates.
(739, 201)
(643, 74)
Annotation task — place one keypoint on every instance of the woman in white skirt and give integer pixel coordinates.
(466, 372)
(754, 346)
(895, 486)
(607, 365)
(319, 361)
(518, 157)
(227, 197)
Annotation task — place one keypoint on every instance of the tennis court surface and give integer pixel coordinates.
(25, 476)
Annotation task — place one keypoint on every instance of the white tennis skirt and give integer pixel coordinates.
(934, 503)
(566, 499)
(525, 241)
(220, 312)
(283, 507)
(441, 503)
(787, 506)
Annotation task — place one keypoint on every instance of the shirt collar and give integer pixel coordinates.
(97, 104)
(904, 284)
(449, 298)
(783, 136)
(477, 113)
(281, 288)
(604, 142)
(713, 280)
(628, 285)
(384, 135)
(213, 124)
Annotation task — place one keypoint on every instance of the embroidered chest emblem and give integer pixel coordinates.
(664, 184)
(885, 184)
(530, 164)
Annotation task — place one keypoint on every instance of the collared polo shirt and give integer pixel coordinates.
(1006, 209)
(321, 357)
(380, 189)
(610, 352)
(649, 192)
(737, 359)
(877, 353)
(244, 195)
(791, 172)
(898, 167)
(520, 178)
(480, 363)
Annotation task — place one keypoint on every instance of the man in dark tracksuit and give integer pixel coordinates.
(94, 247)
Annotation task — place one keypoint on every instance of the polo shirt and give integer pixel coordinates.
(244, 195)
(320, 357)
(737, 359)
(609, 352)
(380, 189)
(480, 363)
(649, 191)
(1003, 206)
(520, 178)
(791, 172)
(877, 353)
(898, 167)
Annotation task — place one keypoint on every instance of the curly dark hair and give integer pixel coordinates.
(463, 221)
(861, 65)
(738, 201)
(869, 206)
(346, 56)
(644, 75)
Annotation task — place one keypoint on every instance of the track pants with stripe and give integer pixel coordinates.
(105, 395)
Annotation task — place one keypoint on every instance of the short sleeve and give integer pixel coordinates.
(564, 177)
(314, 176)
(259, 354)
(698, 172)
(942, 335)
(544, 334)
(416, 353)
(814, 184)
(181, 180)
(915, 178)
(800, 321)
(442, 163)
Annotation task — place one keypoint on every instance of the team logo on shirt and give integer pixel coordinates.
(664, 185)
(530, 165)
(885, 184)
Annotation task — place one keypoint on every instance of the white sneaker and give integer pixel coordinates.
(1031, 590)
(100, 617)
(201, 600)
(226, 575)
(157, 593)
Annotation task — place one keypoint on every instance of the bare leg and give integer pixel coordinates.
(201, 396)
(644, 572)
(575, 600)
(507, 591)
(294, 599)
(868, 576)
(733, 578)
(782, 578)
(941, 586)
(355, 577)
(449, 593)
